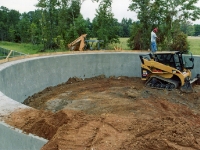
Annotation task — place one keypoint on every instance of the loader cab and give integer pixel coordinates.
(188, 61)
(175, 59)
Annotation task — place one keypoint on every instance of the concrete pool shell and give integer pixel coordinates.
(22, 78)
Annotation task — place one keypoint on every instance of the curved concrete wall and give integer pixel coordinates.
(22, 78)
(14, 139)
(196, 69)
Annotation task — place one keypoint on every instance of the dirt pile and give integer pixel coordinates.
(115, 113)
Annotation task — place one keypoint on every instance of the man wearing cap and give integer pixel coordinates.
(153, 40)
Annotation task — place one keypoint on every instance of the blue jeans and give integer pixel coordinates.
(153, 47)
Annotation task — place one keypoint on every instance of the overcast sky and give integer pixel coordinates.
(119, 8)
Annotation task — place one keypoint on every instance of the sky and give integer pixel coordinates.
(88, 9)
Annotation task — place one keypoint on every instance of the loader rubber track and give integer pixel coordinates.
(158, 82)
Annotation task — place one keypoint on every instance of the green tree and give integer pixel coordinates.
(18, 27)
(12, 34)
(187, 28)
(81, 25)
(24, 28)
(73, 19)
(89, 27)
(12, 20)
(125, 27)
(166, 15)
(58, 17)
(33, 33)
(104, 24)
(35, 26)
(180, 42)
(197, 29)
(135, 40)
(49, 22)
(3, 23)
(80, 28)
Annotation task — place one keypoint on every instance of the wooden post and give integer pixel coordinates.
(9, 54)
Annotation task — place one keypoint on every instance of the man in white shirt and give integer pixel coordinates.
(153, 40)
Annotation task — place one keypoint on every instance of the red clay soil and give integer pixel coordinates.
(112, 114)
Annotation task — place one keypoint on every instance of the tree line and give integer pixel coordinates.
(55, 23)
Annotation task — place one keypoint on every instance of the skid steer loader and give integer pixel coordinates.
(168, 70)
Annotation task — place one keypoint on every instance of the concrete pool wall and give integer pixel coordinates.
(22, 78)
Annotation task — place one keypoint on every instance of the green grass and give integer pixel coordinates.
(194, 45)
(35, 49)
(23, 48)
(122, 44)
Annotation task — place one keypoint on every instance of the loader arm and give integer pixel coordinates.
(78, 44)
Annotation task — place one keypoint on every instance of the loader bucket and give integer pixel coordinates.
(187, 87)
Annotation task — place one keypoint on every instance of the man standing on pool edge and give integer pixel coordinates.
(153, 40)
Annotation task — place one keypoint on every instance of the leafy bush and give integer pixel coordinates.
(180, 42)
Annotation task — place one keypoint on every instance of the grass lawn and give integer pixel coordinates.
(122, 44)
(194, 45)
(35, 49)
(23, 48)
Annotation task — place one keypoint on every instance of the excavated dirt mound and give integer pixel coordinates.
(111, 114)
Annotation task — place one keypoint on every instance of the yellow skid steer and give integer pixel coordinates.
(168, 70)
